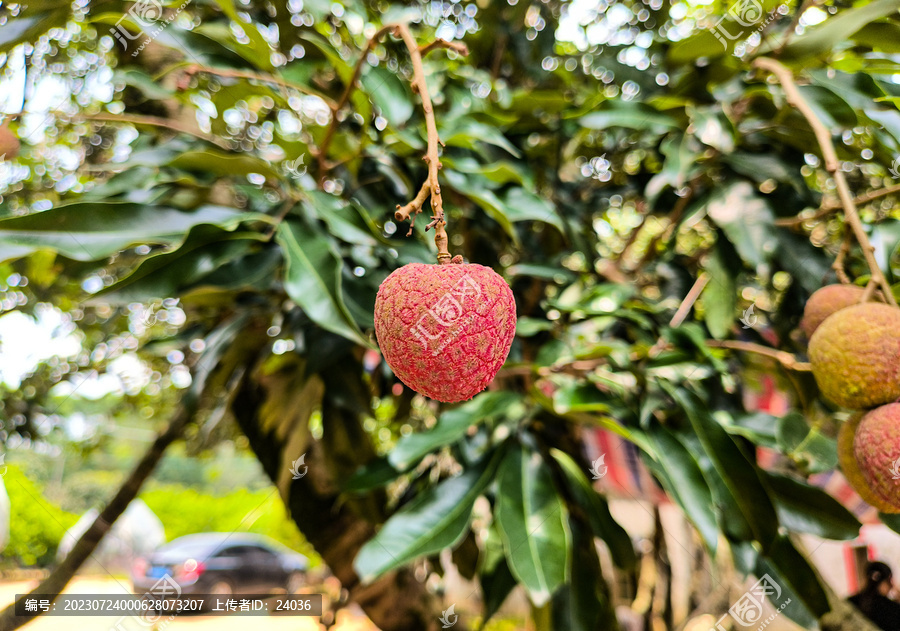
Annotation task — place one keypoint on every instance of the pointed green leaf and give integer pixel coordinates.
(313, 279)
(533, 523)
(91, 231)
(594, 505)
(434, 520)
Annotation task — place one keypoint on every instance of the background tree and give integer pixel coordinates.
(641, 173)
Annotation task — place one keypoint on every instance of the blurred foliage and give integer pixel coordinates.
(35, 525)
(601, 157)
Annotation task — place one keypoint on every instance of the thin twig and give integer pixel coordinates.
(155, 121)
(263, 78)
(458, 47)
(431, 156)
(832, 205)
(832, 164)
(322, 152)
(786, 359)
(685, 308)
(838, 265)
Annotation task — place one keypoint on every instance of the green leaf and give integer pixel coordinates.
(719, 297)
(495, 577)
(824, 37)
(453, 425)
(683, 480)
(633, 115)
(746, 220)
(389, 94)
(806, 445)
(798, 581)
(92, 231)
(371, 476)
(808, 509)
(162, 276)
(739, 475)
(533, 524)
(468, 133)
(594, 505)
(222, 164)
(435, 519)
(313, 279)
(520, 205)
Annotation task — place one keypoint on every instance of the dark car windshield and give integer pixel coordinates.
(182, 549)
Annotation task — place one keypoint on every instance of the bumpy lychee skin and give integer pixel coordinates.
(850, 467)
(855, 356)
(826, 301)
(877, 450)
(445, 330)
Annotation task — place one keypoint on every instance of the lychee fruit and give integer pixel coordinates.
(850, 467)
(876, 447)
(445, 330)
(855, 356)
(9, 144)
(826, 301)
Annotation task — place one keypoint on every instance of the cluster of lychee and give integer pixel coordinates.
(854, 349)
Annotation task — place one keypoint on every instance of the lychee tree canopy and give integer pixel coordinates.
(636, 183)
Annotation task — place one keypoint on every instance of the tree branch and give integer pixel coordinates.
(830, 206)
(60, 577)
(458, 47)
(832, 164)
(685, 308)
(786, 359)
(431, 156)
(321, 152)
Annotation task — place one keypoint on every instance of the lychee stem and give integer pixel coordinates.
(833, 166)
(431, 186)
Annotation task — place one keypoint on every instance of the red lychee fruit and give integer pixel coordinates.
(850, 466)
(855, 356)
(825, 301)
(445, 330)
(876, 446)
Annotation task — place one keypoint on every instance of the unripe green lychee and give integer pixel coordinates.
(9, 144)
(445, 330)
(855, 356)
(850, 467)
(826, 301)
(877, 450)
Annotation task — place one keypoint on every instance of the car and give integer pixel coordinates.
(220, 563)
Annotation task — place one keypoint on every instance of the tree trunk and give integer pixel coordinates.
(54, 584)
(273, 410)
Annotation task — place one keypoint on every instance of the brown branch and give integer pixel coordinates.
(786, 359)
(831, 205)
(88, 542)
(838, 265)
(457, 47)
(155, 121)
(832, 164)
(263, 78)
(322, 152)
(431, 156)
(685, 308)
